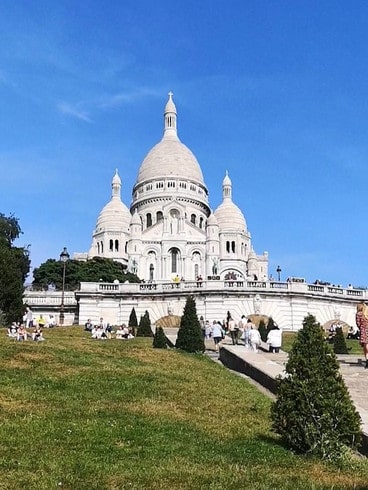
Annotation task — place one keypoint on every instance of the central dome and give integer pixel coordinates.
(170, 157)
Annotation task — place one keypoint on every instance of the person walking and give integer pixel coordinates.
(361, 319)
(233, 329)
(217, 333)
(274, 339)
(254, 338)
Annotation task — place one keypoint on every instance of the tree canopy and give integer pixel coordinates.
(14, 267)
(93, 270)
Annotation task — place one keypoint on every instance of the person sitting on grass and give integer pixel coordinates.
(98, 333)
(22, 333)
(37, 335)
(12, 330)
(122, 332)
(353, 333)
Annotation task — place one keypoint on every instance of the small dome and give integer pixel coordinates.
(114, 216)
(230, 217)
(212, 220)
(136, 220)
(227, 180)
(116, 179)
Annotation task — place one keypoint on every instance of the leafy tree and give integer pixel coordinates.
(144, 327)
(314, 413)
(159, 339)
(262, 330)
(14, 267)
(190, 338)
(339, 343)
(93, 270)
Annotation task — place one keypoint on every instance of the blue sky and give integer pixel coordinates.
(275, 92)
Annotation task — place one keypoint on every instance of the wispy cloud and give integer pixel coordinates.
(72, 111)
(117, 100)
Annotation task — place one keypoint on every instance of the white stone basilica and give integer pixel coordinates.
(169, 231)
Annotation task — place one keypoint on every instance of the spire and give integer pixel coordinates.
(170, 119)
(226, 187)
(116, 185)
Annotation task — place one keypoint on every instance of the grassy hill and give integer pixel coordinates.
(83, 414)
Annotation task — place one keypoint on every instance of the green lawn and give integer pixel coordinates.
(289, 337)
(83, 414)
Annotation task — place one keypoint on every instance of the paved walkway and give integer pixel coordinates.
(264, 367)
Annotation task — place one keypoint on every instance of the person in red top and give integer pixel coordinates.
(362, 323)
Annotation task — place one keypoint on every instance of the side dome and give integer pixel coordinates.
(170, 157)
(228, 215)
(115, 215)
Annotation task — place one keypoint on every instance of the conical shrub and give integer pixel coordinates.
(339, 342)
(144, 327)
(159, 339)
(190, 337)
(313, 412)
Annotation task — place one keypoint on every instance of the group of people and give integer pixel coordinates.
(19, 332)
(104, 331)
(244, 330)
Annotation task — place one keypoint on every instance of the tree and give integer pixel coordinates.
(339, 343)
(93, 270)
(144, 327)
(313, 412)
(190, 337)
(262, 330)
(14, 267)
(133, 321)
(159, 339)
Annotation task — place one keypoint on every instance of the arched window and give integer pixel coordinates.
(193, 219)
(101, 247)
(116, 245)
(233, 247)
(149, 219)
(201, 222)
(174, 260)
(151, 272)
(228, 247)
(111, 247)
(159, 216)
(98, 248)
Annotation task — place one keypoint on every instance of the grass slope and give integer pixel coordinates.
(81, 414)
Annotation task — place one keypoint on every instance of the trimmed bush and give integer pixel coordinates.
(190, 337)
(313, 412)
(339, 342)
(159, 339)
(262, 330)
(144, 327)
(133, 321)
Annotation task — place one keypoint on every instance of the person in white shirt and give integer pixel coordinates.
(274, 339)
(254, 338)
(217, 333)
(233, 329)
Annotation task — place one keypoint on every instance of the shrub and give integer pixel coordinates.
(313, 412)
(144, 327)
(262, 330)
(339, 343)
(159, 339)
(190, 337)
(133, 321)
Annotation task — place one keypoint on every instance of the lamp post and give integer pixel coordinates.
(278, 270)
(64, 257)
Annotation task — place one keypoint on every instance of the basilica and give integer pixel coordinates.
(170, 232)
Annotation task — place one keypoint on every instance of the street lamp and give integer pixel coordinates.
(278, 270)
(64, 257)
